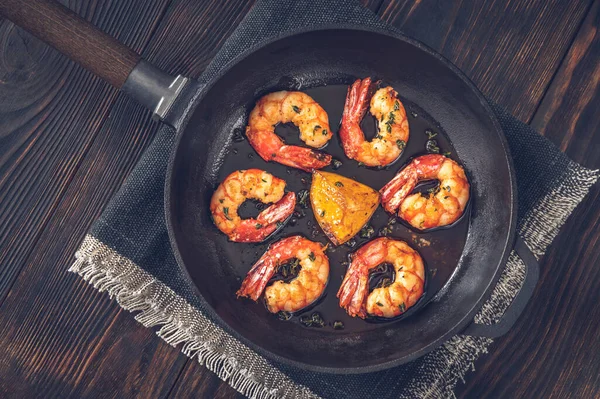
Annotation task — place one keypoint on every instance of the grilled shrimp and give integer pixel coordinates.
(303, 290)
(390, 301)
(245, 184)
(392, 123)
(302, 111)
(439, 208)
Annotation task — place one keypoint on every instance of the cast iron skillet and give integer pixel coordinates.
(207, 117)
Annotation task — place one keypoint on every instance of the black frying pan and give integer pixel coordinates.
(463, 262)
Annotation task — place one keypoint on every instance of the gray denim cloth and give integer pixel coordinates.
(127, 252)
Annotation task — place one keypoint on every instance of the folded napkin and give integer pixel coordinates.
(127, 251)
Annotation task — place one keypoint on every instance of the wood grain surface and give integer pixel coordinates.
(68, 140)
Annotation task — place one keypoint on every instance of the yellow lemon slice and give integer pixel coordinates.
(341, 205)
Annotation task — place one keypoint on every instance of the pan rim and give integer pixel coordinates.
(475, 307)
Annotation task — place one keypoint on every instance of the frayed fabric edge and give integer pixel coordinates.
(179, 323)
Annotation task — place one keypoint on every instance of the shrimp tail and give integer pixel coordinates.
(355, 108)
(257, 278)
(302, 158)
(353, 291)
(256, 230)
(394, 192)
(356, 100)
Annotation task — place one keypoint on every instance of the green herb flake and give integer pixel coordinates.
(303, 198)
(401, 144)
(284, 316)
(296, 109)
(389, 128)
(221, 200)
(367, 232)
(402, 307)
(322, 213)
(312, 257)
(447, 154)
(430, 133)
(258, 226)
(391, 118)
(379, 304)
(433, 190)
(226, 212)
(264, 181)
(446, 196)
(396, 105)
(279, 224)
(317, 127)
(447, 188)
(338, 325)
(339, 184)
(324, 132)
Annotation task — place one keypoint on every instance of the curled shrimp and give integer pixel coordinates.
(390, 301)
(302, 111)
(250, 184)
(439, 208)
(392, 124)
(303, 290)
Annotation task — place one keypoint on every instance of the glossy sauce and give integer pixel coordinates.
(440, 248)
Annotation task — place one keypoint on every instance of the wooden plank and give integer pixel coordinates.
(553, 350)
(70, 340)
(50, 113)
(59, 336)
(509, 48)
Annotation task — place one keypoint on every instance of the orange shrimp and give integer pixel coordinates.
(303, 290)
(439, 208)
(392, 124)
(245, 184)
(301, 110)
(390, 301)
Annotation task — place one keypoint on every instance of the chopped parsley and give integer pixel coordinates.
(401, 144)
(324, 132)
(402, 307)
(430, 133)
(303, 198)
(396, 105)
(338, 325)
(316, 128)
(379, 304)
(312, 257)
(258, 226)
(367, 232)
(339, 184)
(226, 212)
(296, 109)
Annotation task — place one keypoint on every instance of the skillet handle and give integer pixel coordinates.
(96, 51)
(519, 302)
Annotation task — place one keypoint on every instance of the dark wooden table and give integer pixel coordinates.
(68, 140)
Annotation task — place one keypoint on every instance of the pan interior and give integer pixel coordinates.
(461, 261)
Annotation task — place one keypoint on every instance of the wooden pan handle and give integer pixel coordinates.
(73, 36)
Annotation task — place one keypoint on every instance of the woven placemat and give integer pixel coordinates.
(127, 252)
